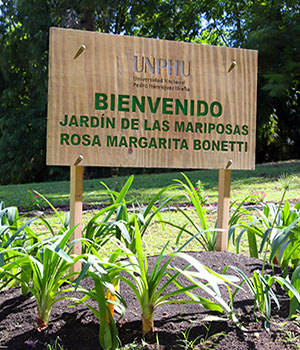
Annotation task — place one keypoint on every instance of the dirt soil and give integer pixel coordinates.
(78, 328)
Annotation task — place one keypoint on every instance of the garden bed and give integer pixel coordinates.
(78, 328)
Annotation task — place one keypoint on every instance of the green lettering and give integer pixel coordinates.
(167, 103)
(110, 123)
(134, 124)
(138, 104)
(224, 146)
(220, 128)
(111, 141)
(206, 145)
(86, 140)
(189, 127)
(64, 138)
(245, 130)
(232, 143)
(179, 106)
(143, 142)
(156, 125)
(228, 129)
(123, 103)
(100, 101)
(65, 121)
(201, 104)
(112, 102)
(179, 127)
(84, 121)
(146, 125)
(125, 123)
(152, 143)
(96, 141)
(132, 141)
(198, 127)
(240, 145)
(236, 130)
(184, 144)
(162, 143)
(73, 121)
(75, 139)
(94, 121)
(215, 145)
(197, 145)
(153, 109)
(211, 127)
(218, 109)
(123, 142)
(165, 125)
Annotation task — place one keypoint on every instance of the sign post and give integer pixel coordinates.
(223, 209)
(123, 101)
(76, 189)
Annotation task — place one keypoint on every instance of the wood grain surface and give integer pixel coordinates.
(139, 102)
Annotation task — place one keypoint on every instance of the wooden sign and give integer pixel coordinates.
(137, 102)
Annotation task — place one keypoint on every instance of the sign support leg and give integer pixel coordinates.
(223, 209)
(76, 187)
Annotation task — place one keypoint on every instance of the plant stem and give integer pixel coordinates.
(147, 319)
(272, 227)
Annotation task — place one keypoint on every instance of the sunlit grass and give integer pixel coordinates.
(243, 183)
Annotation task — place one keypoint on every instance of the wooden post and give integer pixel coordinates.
(223, 208)
(76, 187)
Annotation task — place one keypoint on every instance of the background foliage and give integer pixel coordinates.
(272, 27)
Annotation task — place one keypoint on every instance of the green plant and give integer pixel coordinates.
(260, 286)
(205, 236)
(200, 191)
(294, 301)
(277, 228)
(117, 221)
(55, 345)
(202, 341)
(208, 280)
(105, 273)
(44, 273)
(122, 226)
(144, 283)
(32, 201)
(13, 233)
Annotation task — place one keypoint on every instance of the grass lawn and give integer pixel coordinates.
(244, 183)
(264, 178)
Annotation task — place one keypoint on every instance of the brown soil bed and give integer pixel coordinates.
(77, 327)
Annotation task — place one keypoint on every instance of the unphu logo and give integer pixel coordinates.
(154, 65)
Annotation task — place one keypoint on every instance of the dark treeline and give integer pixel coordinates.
(272, 27)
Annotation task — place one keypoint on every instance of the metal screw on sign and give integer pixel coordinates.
(80, 51)
(78, 160)
(233, 64)
(228, 164)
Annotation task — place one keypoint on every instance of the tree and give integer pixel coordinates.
(272, 27)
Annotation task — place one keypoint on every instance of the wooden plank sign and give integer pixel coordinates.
(138, 102)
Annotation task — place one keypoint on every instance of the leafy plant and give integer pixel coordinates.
(277, 228)
(208, 280)
(145, 284)
(122, 226)
(205, 341)
(294, 301)
(13, 233)
(44, 273)
(116, 220)
(201, 193)
(260, 286)
(205, 236)
(55, 345)
(105, 273)
(32, 201)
